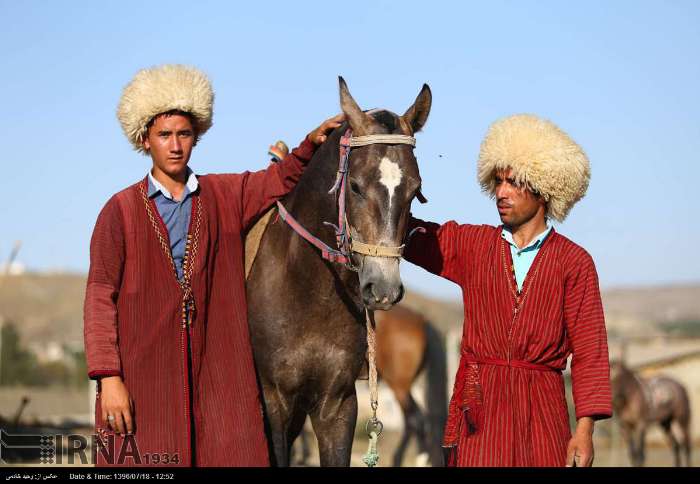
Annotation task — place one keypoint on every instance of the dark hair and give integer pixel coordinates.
(193, 121)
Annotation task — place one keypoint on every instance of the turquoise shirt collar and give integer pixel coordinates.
(154, 186)
(534, 244)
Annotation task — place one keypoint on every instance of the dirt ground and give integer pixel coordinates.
(605, 455)
(54, 404)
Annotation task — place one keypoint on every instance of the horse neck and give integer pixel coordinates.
(630, 384)
(310, 203)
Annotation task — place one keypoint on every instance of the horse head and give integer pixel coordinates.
(383, 179)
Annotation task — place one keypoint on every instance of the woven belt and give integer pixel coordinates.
(466, 407)
(523, 365)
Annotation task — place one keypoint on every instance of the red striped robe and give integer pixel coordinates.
(133, 322)
(511, 414)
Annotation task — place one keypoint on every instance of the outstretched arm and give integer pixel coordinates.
(437, 249)
(260, 189)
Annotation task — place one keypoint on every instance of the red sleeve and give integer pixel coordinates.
(437, 250)
(585, 326)
(260, 189)
(107, 254)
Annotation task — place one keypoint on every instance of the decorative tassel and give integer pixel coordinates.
(371, 458)
(471, 399)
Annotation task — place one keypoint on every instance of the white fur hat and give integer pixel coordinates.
(161, 89)
(541, 155)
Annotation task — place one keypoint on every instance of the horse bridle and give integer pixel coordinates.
(346, 245)
(343, 255)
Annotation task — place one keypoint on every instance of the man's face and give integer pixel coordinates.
(516, 204)
(170, 141)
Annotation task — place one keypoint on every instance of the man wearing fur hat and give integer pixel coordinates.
(531, 299)
(166, 331)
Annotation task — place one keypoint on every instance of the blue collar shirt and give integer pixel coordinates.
(523, 258)
(176, 214)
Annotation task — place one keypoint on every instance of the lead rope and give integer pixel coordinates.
(374, 426)
(346, 247)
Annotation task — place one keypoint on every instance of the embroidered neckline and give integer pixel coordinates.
(191, 246)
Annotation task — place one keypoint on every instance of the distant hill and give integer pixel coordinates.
(636, 311)
(45, 307)
(49, 308)
(629, 312)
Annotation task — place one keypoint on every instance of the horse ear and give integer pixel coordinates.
(417, 115)
(359, 121)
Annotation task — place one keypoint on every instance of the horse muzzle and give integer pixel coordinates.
(380, 283)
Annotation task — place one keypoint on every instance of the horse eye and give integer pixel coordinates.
(355, 188)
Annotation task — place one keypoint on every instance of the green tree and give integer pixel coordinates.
(17, 365)
(80, 371)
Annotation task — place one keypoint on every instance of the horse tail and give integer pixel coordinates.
(685, 406)
(435, 364)
(683, 417)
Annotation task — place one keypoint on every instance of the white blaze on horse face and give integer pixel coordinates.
(390, 176)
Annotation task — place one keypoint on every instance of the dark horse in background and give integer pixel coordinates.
(407, 344)
(640, 402)
(307, 315)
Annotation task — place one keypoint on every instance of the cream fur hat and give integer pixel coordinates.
(541, 156)
(161, 89)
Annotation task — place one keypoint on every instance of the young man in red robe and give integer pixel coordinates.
(166, 332)
(531, 300)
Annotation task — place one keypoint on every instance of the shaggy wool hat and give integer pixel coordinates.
(541, 156)
(159, 90)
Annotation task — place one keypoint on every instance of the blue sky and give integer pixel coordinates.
(621, 77)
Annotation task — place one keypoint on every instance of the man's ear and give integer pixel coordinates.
(145, 142)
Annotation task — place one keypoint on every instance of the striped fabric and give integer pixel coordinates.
(133, 328)
(525, 419)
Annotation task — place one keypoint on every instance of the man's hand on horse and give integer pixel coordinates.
(580, 450)
(319, 135)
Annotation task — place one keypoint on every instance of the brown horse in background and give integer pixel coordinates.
(407, 344)
(639, 402)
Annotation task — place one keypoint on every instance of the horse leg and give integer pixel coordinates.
(629, 434)
(635, 442)
(334, 421)
(403, 398)
(673, 442)
(405, 437)
(685, 442)
(279, 413)
(418, 423)
(641, 446)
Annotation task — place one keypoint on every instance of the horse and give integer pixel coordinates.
(306, 313)
(408, 344)
(640, 402)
